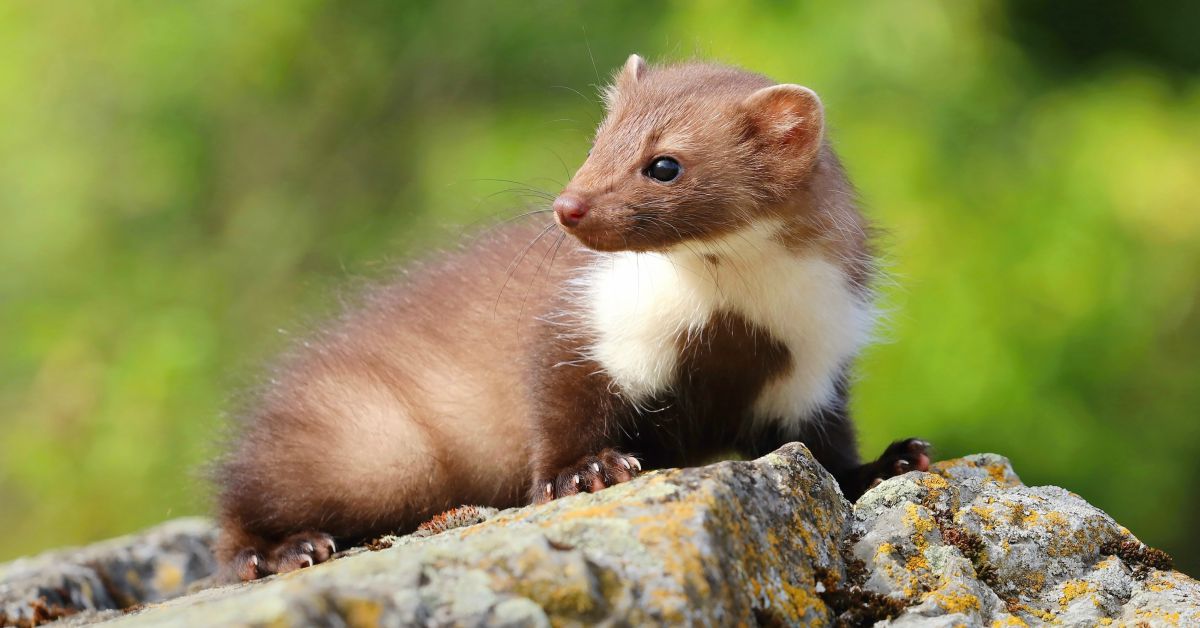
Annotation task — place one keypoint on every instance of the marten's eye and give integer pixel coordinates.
(664, 169)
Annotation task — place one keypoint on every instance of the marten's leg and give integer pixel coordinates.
(573, 431)
(829, 435)
(572, 446)
(333, 455)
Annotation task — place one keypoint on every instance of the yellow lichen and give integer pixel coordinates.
(958, 602)
(360, 612)
(799, 601)
(1159, 617)
(1072, 590)
(996, 472)
(168, 577)
(1041, 614)
(933, 482)
(1160, 583)
(986, 515)
(921, 523)
(1033, 581)
(680, 556)
(1057, 519)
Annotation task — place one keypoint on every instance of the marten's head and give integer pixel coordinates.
(690, 151)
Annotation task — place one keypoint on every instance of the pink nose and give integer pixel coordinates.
(570, 209)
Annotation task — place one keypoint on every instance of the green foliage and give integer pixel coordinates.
(181, 180)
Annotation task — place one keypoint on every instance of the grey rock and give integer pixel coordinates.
(769, 541)
(734, 542)
(155, 565)
(968, 544)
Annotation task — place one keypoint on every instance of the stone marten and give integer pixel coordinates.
(704, 289)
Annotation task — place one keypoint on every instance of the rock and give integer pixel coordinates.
(158, 564)
(769, 541)
(735, 542)
(968, 544)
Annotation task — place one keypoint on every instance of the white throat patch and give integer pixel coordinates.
(640, 306)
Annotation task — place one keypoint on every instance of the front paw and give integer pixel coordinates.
(588, 475)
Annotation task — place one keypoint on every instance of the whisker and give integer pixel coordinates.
(499, 224)
(533, 281)
(512, 267)
(521, 192)
(575, 91)
(566, 170)
(518, 183)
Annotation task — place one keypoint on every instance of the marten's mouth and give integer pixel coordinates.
(613, 238)
(604, 242)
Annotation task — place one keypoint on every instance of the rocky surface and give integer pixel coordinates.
(767, 542)
(968, 544)
(160, 563)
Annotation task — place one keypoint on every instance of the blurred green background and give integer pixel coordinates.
(183, 185)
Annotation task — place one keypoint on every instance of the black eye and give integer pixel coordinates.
(664, 169)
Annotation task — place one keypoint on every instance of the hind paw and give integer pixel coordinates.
(295, 552)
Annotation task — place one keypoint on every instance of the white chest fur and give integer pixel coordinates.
(641, 305)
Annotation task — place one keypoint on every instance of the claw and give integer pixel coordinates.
(591, 474)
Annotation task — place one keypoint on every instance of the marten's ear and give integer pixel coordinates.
(787, 116)
(630, 74)
(635, 68)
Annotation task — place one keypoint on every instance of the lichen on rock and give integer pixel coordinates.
(968, 544)
(158, 564)
(764, 542)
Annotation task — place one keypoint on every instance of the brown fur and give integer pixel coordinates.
(408, 405)
(463, 382)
